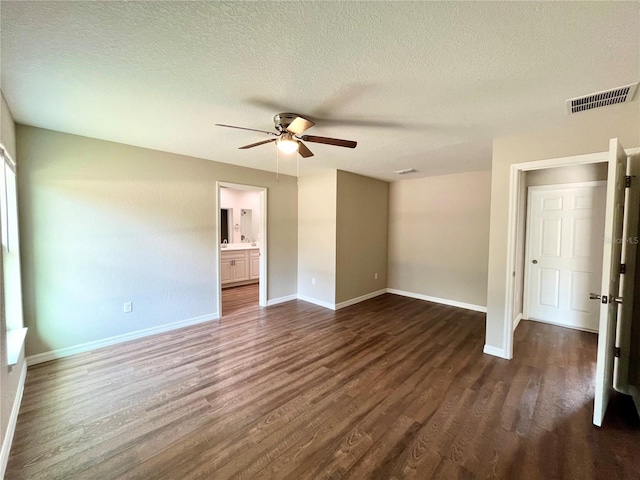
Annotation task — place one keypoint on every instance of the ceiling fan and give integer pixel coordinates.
(289, 127)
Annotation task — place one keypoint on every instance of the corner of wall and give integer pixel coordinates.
(496, 352)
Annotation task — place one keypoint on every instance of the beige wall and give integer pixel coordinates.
(104, 223)
(361, 233)
(439, 236)
(9, 376)
(317, 237)
(317, 197)
(589, 172)
(582, 133)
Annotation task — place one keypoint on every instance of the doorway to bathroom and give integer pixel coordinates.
(241, 232)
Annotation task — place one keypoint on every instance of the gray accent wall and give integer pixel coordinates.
(361, 235)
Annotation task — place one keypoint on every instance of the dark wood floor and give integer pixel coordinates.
(388, 388)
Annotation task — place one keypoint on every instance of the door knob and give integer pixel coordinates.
(534, 261)
(605, 299)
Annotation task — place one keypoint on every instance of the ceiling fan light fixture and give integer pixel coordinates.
(288, 140)
(286, 143)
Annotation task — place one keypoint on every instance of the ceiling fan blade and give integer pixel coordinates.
(244, 128)
(329, 141)
(299, 125)
(303, 150)
(358, 122)
(256, 144)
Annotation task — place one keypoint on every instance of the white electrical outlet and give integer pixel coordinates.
(313, 281)
(375, 276)
(128, 307)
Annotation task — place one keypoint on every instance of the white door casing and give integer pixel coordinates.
(610, 288)
(565, 231)
(223, 270)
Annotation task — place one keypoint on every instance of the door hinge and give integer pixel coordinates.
(627, 181)
(623, 268)
(616, 352)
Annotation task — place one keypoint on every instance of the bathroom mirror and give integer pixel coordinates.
(246, 235)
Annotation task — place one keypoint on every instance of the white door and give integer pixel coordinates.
(610, 288)
(565, 226)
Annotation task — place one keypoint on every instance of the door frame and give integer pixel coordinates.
(527, 242)
(517, 202)
(516, 229)
(262, 192)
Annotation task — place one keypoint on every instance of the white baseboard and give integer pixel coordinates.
(276, 301)
(359, 299)
(444, 301)
(362, 298)
(344, 304)
(321, 303)
(13, 419)
(105, 342)
(495, 351)
(516, 322)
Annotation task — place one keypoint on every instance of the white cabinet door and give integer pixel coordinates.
(241, 268)
(226, 274)
(254, 258)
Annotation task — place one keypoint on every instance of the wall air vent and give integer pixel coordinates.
(602, 99)
(405, 171)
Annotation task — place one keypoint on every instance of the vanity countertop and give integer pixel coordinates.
(239, 246)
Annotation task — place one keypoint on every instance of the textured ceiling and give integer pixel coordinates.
(419, 84)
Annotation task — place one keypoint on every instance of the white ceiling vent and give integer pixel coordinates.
(602, 99)
(405, 171)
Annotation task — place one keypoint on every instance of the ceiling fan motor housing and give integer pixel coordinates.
(283, 120)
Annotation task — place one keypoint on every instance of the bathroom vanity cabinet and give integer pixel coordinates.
(239, 266)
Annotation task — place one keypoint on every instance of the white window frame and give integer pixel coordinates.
(15, 332)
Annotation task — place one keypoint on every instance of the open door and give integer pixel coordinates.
(611, 270)
(624, 379)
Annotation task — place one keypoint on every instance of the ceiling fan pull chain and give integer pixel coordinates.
(298, 168)
(277, 165)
